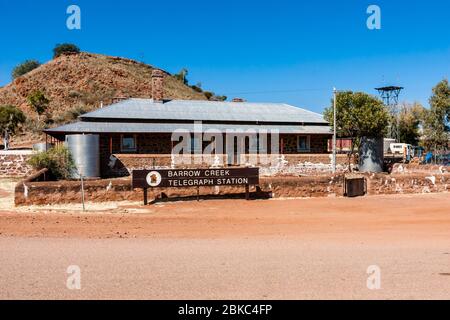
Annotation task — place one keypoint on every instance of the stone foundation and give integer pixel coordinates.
(14, 163)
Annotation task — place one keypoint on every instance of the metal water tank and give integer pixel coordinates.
(85, 151)
(371, 155)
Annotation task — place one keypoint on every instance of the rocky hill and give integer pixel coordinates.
(78, 83)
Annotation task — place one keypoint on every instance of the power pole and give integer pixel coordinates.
(334, 129)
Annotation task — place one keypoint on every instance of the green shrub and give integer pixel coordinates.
(76, 111)
(33, 126)
(65, 48)
(24, 68)
(57, 160)
(208, 94)
(221, 98)
(39, 102)
(196, 88)
(71, 114)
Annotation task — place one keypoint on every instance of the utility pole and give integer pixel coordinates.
(82, 192)
(334, 129)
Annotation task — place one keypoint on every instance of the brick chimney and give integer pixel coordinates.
(157, 85)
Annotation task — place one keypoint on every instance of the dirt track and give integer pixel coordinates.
(232, 249)
(379, 217)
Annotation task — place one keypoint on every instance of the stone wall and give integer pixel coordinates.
(14, 163)
(289, 164)
(119, 189)
(408, 183)
(29, 192)
(401, 168)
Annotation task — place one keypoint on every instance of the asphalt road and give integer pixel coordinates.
(240, 268)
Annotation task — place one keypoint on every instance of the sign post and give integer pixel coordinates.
(145, 196)
(184, 178)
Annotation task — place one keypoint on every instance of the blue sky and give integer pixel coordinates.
(274, 51)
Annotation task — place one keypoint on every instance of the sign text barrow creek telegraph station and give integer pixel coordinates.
(182, 178)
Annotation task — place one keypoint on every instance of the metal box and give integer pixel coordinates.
(355, 186)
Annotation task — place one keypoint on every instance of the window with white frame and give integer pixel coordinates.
(128, 143)
(303, 143)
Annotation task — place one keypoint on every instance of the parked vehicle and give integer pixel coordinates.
(400, 152)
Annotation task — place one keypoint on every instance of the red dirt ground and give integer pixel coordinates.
(379, 216)
(232, 249)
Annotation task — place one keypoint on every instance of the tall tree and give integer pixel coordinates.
(11, 118)
(437, 123)
(358, 115)
(182, 75)
(39, 102)
(410, 119)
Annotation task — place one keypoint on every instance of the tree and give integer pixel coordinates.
(358, 115)
(65, 48)
(39, 102)
(410, 119)
(24, 68)
(182, 76)
(437, 122)
(11, 118)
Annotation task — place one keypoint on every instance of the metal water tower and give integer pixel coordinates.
(390, 96)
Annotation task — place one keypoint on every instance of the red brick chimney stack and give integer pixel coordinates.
(157, 85)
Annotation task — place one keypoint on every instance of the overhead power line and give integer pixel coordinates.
(276, 91)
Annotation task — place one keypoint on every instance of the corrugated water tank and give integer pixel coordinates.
(371, 155)
(85, 151)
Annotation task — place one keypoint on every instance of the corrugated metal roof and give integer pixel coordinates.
(117, 127)
(192, 110)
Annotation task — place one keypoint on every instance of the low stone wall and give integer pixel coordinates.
(14, 163)
(408, 183)
(401, 168)
(289, 164)
(28, 192)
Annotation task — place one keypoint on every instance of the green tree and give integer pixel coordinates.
(410, 119)
(57, 160)
(24, 68)
(65, 48)
(182, 76)
(358, 115)
(437, 125)
(39, 102)
(11, 118)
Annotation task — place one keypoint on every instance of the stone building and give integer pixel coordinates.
(144, 128)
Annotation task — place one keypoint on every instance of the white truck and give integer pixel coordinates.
(400, 152)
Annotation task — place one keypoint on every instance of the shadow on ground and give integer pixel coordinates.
(260, 195)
